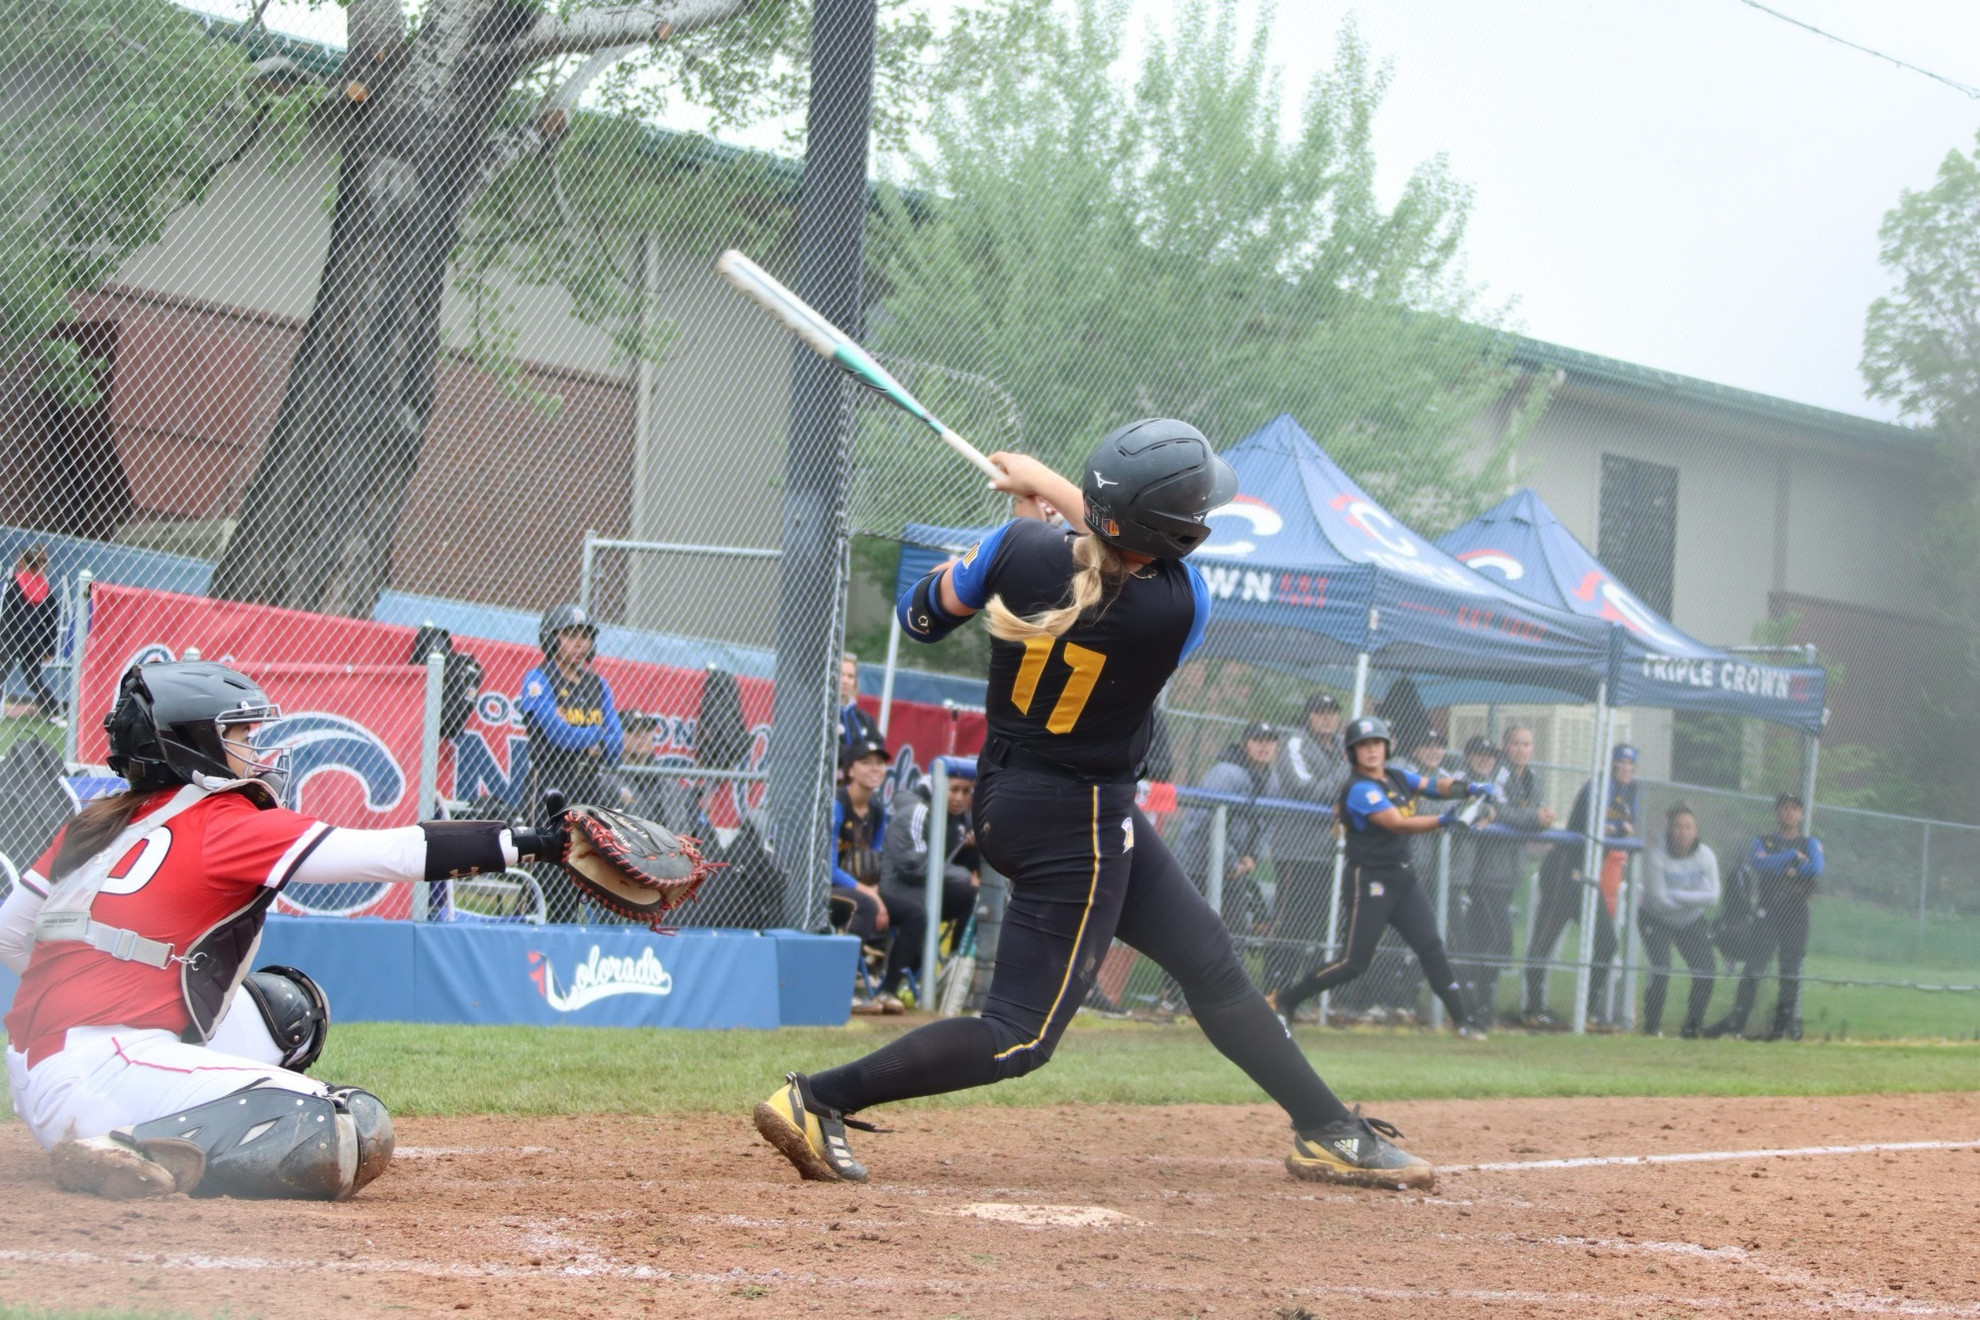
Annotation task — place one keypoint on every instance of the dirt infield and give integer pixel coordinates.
(1090, 1211)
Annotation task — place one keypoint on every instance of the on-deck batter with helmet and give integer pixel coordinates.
(1378, 885)
(1087, 625)
(129, 1053)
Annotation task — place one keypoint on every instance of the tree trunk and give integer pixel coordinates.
(320, 516)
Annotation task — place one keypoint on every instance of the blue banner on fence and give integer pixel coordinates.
(610, 976)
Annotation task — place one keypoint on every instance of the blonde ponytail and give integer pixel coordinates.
(1100, 567)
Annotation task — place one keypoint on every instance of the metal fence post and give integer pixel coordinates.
(1924, 881)
(1220, 836)
(78, 641)
(1443, 916)
(938, 874)
(887, 679)
(832, 214)
(1360, 702)
(429, 766)
(587, 565)
(1591, 892)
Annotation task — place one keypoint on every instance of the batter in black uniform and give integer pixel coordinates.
(1379, 887)
(1088, 625)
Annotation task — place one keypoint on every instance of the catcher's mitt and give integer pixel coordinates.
(629, 865)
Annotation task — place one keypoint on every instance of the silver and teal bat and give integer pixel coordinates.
(838, 348)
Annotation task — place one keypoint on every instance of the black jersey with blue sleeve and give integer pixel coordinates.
(1081, 700)
(1368, 844)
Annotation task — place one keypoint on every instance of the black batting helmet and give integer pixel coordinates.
(1365, 729)
(169, 720)
(562, 619)
(1149, 484)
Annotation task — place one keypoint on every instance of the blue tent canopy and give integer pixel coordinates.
(1305, 548)
(1308, 572)
(1522, 544)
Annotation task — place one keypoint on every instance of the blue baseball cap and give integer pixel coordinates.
(1623, 752)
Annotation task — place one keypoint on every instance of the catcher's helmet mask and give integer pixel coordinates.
(1149, 486)
(171, 726)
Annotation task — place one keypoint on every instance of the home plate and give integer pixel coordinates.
(1040, 1216)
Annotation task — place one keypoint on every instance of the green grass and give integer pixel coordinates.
(1850, 928)
(571, 1070)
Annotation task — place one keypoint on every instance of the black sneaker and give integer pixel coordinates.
(1357, 1151)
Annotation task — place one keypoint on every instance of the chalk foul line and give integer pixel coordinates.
(1705, 1156)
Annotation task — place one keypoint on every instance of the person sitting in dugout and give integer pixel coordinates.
(859, 834)
(904, 861)
(132, 1054)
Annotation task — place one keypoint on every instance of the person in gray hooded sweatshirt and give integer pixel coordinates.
(1680, 883)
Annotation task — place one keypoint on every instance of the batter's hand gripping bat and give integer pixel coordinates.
(838, 348)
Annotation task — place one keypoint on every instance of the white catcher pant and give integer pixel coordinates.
(112, 1077)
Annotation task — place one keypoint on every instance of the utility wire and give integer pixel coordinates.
(1973, 92)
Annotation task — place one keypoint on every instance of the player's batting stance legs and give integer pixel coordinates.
(1055, 810)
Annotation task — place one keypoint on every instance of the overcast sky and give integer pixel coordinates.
(1687, 184)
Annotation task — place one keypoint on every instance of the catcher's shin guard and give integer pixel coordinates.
(811, 1136)
(1357, 1152)
(266, 1142)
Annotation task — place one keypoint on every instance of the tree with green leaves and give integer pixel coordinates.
(1104, 248)
(1921, 351)
(126, 111)
(486, 143)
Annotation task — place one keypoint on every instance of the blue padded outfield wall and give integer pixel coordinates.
(582, 976)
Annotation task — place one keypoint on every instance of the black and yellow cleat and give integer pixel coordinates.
(811, 1136)
(1357, 1152)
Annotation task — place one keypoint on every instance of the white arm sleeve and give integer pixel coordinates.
(361, 856)
(17, 927)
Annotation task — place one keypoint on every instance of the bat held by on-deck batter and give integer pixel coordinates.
(838, 348)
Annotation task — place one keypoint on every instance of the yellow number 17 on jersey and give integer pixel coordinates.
(1085, 665)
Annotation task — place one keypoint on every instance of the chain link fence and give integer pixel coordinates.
(362, 418)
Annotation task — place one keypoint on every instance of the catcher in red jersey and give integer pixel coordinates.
(130, 1053)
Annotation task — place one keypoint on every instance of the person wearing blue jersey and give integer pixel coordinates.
(1087, 622)
(1379, 889)
(575, 739)
(1786, 864)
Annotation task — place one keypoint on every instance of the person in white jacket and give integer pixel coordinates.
(1680, 884)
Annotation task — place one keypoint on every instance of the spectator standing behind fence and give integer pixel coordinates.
(1561, 879)
(1246, 769)
(855, 725)
(1312, 768)
(859, 834)
(1680, 883)
(1786, 865)
(1484, 925)
(574, 736)
(29, 620)
(904, 867)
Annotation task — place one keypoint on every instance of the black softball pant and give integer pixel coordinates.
(1782, 930)
(1374, 898)
(1694, 941)
(1559, 904)
(1482, 942)
(907, 915)
(1084, 867)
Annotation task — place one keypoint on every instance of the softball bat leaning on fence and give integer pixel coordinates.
(838, 348)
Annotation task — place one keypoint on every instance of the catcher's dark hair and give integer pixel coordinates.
(93, 828)
(1681, 808)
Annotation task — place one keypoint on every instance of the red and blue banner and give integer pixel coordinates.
(352, 712)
